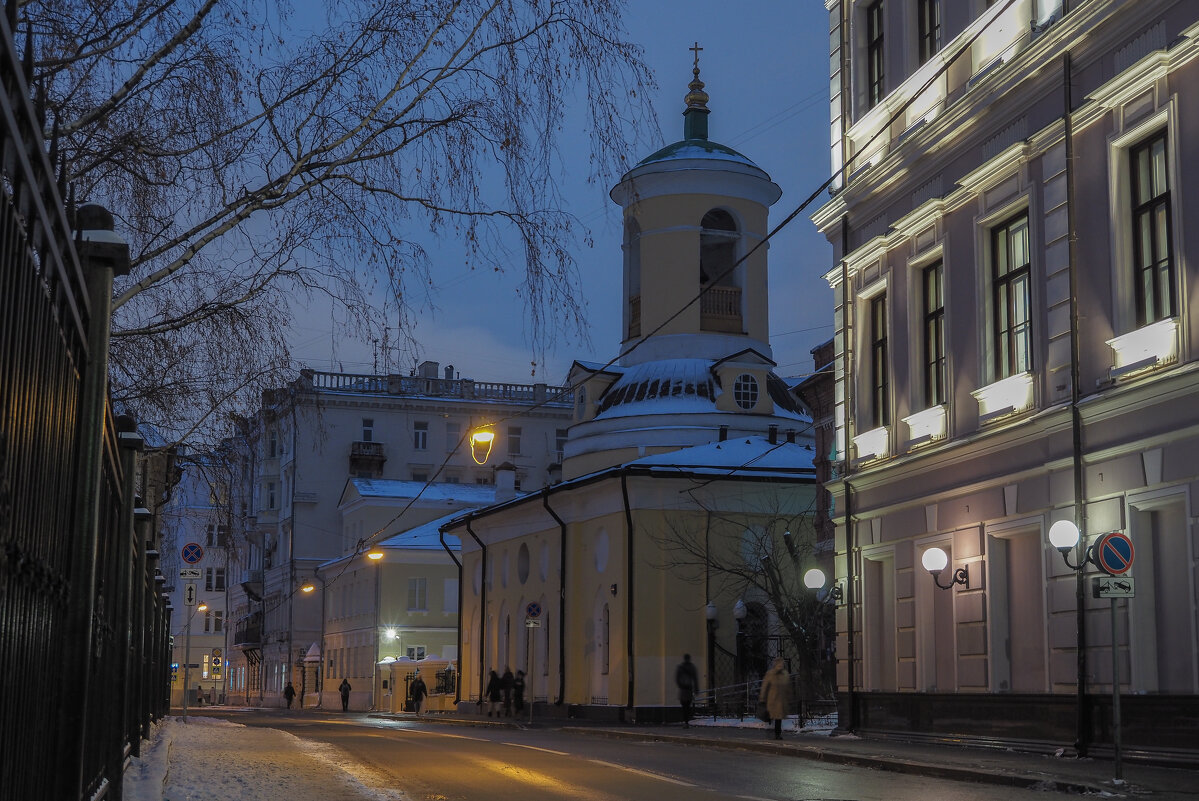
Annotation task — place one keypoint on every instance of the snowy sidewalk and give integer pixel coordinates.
(207, 758)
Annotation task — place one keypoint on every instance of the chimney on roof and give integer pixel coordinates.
(724, 433)
(449, 372)
(428, 369)
(773, 435)
(791, 435)
(505, 482)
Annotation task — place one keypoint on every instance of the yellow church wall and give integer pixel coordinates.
(668, 598)
(670, 259)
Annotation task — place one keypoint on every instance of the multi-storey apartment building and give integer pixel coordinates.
(325, 429)
(1015, 348)
(195, 566)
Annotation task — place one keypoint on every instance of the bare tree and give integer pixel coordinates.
(262, 157)
(757, 547)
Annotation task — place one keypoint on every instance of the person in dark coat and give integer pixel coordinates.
(518, 691)
(494, 693)
(506, 682)
(686, 678)
(418, 691)
(289, 694)
(344, 688)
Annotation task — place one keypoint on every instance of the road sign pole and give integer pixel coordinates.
(187, 658)
(1116, 699)
(529, 682)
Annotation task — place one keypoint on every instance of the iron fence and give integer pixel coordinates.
(85, 625)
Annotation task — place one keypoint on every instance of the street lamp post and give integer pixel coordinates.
(308, 588)
(1064, 536)
(187, 655)
(710, 613)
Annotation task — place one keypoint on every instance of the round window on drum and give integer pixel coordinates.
(745, 391)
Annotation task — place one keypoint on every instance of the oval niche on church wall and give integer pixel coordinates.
(522, 563)
(601, 551)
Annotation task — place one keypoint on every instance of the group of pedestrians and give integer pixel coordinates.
(508, 690)
(774, 699)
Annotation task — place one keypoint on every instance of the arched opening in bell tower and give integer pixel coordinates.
(720, 305)
(632, 276)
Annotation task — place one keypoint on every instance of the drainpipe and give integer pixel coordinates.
(850, 533)
(628, 517)
(545, 501)
(461, 578)
(1080, 511)
(482, 606)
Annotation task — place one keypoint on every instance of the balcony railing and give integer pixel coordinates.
(248, 632)
(720, 310)
(434, 387)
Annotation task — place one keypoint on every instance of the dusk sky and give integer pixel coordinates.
(765, 67)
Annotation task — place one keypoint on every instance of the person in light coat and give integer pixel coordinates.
(776, 694)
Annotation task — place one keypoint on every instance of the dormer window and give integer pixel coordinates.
(745, 391)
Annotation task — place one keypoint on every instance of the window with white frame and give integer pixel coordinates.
(875, 67)
(1153, 265)
(271, 500)
(418, 594)
(453, 433)
(514, 440)
(368, 429)
(928, 28)
(880, 379)
(560, 436)
(932, 281)
(420, 435)
(415, 652)
(1011, 297)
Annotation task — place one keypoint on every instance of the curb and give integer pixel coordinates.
(895, 765)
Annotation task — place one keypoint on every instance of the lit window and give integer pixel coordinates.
(933, 280)
(879, 377)
(1011, 297)
(875, 77)
(745, 391)
(928, 25)
(1153, 266)
(420, 435)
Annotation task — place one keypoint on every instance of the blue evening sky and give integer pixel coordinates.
(765, 67)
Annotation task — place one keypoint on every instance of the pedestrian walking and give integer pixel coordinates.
(494, 693)
(506, 682)
(417, 692)
(289, 694)
(686, 678)
(518, 691)
(344, 688)
(776, 694)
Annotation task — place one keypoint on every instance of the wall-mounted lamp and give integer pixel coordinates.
(935, 560)
(481, 440)
(815, 579)
(309, 587)
(374, 554)
(613, 590)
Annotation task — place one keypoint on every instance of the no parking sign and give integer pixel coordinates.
(1114, 553)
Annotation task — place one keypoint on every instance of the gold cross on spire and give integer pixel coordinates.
(696, 50)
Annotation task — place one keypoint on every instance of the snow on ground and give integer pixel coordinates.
(205, 758)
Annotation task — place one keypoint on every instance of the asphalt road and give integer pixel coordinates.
(449, 762)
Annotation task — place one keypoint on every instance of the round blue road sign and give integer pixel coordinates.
(533, 610)
(192, 553)
(1114, 553)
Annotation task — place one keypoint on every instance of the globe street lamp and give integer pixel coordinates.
(935, 560)
(187, 654)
